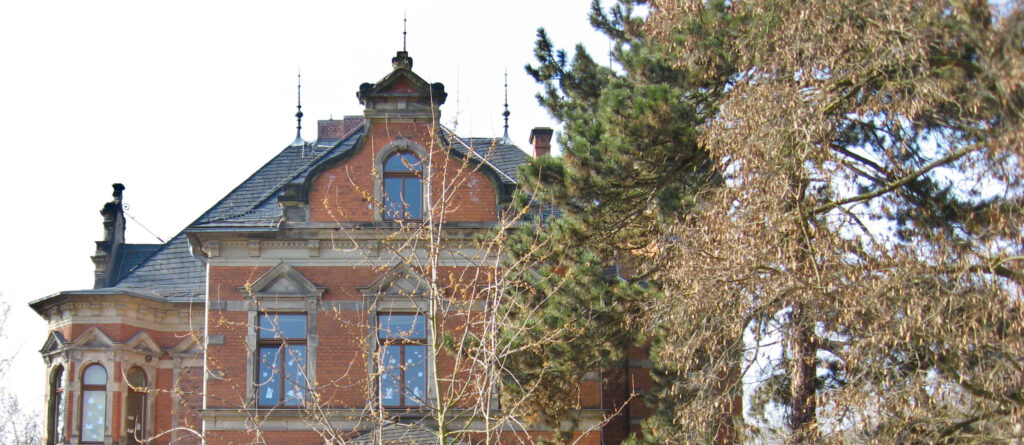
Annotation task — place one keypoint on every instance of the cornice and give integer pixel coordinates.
(98, 309)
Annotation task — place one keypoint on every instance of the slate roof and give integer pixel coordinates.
(254, 202)
(170, 270)
(129, 256)
(498, 153)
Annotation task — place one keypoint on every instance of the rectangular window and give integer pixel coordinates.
(403, 360)
(281, 380)
(94, 412)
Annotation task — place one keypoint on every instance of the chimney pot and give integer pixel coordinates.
(540, 137)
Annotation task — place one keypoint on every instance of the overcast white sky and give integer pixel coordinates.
(182, 101)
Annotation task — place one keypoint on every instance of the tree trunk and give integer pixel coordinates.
(802, 421)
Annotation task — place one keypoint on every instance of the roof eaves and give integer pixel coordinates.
(36, 304)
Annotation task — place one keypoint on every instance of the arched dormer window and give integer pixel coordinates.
(55, 430)
(135, 406)
(94, 404)
(403, 187)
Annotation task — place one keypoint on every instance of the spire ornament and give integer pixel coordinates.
(402, 59)
(506, 113)
(298, 117)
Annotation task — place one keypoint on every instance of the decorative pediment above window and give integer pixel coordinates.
(142, 343)
(187, 348)
(401, 281)
(54, 343)
(283, 282)
(93, 338)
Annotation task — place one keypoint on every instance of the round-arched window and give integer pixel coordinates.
(55, 430)
(94, 403)
(403, 187)
(135, 406)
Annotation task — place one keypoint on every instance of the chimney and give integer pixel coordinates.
(113, 238)
(540, 137)
(334, 129)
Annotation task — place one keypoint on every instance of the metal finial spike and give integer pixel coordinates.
(506, 113)
(298, 116)
(405, 19)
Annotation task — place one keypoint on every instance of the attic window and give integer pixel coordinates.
(403, 187)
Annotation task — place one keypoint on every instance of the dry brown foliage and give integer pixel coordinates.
(867, 235)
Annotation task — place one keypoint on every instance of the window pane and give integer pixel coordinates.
(94, 375)
(135, 403)
(393, 198)
(282, 326)
(413, 198)
(294, 371)
(58, 406)
(407, 326)
(94, 413)
(269, 380)
(58, 418)
(415, 375)
(136, 377)
(390, 376)
(402, 162)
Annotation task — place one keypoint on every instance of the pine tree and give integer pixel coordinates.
(820, 200)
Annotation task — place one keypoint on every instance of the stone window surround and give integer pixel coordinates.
(400, 144)
(52, 406)
(94, 347)
(303, 298)
(379, 298)
(108, 396)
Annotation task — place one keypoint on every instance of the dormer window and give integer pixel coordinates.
(403, 187)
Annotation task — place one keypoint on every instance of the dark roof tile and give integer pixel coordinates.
(171, 271)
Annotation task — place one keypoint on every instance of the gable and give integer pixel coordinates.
(187, 347)
(54, 342)
(93, 338)
(284, 281)
(143, 343)
(399, 281)
(401, 85)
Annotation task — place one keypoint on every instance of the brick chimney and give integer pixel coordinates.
(335, 129)
(113, 238)
(540, 137)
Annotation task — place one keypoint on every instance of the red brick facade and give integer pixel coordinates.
(333, 259)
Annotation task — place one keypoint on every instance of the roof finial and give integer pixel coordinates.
(506, 113)
(402, 59)
(298, 117)
(405, 19)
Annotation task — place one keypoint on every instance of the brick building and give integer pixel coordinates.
(310, 304)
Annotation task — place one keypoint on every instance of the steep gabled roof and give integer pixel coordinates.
(495, 153)
(171, 271)
(254, 202)
(130, 256)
